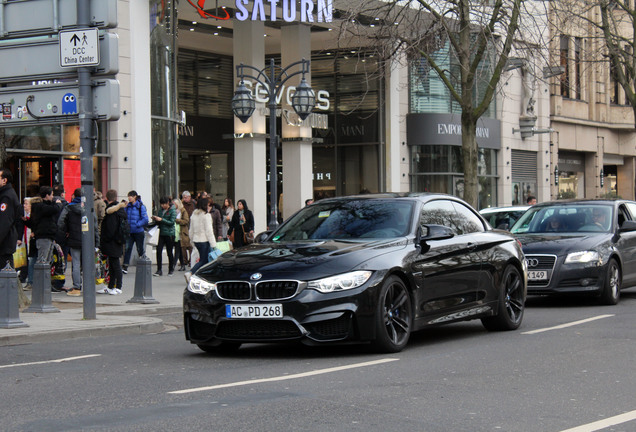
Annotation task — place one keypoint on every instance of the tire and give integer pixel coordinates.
(512, 301)
(612, 287)
(394, 317)
(221, 348)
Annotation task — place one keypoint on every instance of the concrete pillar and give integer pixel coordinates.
(9, 305)
(143, 282)
(41, 291)
(297, 143)
(250, 144)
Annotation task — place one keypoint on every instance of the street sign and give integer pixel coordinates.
(41, 60)
(40, 17)
(57, 103)
(79, 47)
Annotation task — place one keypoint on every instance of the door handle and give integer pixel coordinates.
(472, 246)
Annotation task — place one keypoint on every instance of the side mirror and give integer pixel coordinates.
(436, 232)
(262, 237)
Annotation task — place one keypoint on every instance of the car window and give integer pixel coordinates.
(450, 214)
(623, 215)
(569, 218)
(467, 219)
(349, 219)
(632, 209)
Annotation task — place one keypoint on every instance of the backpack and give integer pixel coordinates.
(123, 229)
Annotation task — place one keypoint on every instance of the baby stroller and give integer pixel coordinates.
(57, 269)
(101, 268)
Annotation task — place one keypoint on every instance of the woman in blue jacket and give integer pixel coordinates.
(138, 219)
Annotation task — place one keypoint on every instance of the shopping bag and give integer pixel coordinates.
(20, 256)
(214, 254)
(153, 236)
(224, 246)
(194, 256)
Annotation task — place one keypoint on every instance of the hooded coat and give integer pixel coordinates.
(9, 215)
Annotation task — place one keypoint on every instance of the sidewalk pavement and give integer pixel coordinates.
(114, 316)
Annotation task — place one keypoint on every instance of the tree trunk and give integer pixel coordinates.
(470, 156)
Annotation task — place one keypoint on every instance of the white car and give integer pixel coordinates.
(503, 217)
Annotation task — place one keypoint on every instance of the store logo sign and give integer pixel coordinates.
(256, 11)
(200, 7)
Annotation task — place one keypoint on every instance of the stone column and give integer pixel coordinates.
(296, 135)
(250, 144)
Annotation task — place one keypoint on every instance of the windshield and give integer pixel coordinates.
(572, 218)
(362, 219)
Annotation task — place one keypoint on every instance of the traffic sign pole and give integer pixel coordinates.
(87, 144)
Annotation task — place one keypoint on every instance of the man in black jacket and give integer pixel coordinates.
(44, 223)
(111, 244)
(69, 230)
(9, 215)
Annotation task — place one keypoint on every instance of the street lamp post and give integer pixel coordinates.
(243, 105)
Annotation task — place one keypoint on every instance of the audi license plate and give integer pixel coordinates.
(274, 310)
(538, 275)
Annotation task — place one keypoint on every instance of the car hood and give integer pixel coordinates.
(561, 244)
(302, 260)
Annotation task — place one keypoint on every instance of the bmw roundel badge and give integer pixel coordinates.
(256, 276)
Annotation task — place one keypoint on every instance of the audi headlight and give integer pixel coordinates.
(340, 282)
(200, 286)
(583, 257)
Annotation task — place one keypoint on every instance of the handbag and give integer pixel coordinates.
(248, 237)
(231, 237)
(20, 256)
(153, 236)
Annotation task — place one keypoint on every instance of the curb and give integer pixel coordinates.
(83, 329)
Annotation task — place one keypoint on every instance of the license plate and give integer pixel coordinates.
(274, 310)
(536, 275)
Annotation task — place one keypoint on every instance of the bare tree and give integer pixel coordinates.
(477, 36)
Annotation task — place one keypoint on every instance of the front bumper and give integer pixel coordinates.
(309, 316)
(570, 279)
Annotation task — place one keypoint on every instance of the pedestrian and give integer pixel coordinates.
(531, 200)
(100, 208)
(44, 223)
(138, 220)
(201, 233)
(9, 215)
(69, 231)
(217, 220)
(112, 240)
(309, 201)
(165, 219)
(227, 213)
(188, 203)
(182, 241)
(24, 233)
(242, 224)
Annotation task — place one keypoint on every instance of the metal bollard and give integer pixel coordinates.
(143, 282)
(9, 308)
(41, 291)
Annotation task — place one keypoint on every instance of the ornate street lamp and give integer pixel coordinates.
(273, 79)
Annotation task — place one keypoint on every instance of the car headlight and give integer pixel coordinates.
(583, 257)
(200, 286)
(340, 282)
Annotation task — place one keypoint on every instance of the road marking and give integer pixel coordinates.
(285, 377)
(568, 324)
(62, 360)
(602, 424)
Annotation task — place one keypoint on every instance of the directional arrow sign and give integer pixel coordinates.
(79, 47)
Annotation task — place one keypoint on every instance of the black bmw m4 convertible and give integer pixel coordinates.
(366, 268)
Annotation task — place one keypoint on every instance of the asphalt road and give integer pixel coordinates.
(570, 365)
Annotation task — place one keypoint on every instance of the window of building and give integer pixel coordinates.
(564, 56)
(429, 94)
(577, 67)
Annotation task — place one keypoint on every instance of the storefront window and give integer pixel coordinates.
(571, 175)
(439, 168)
